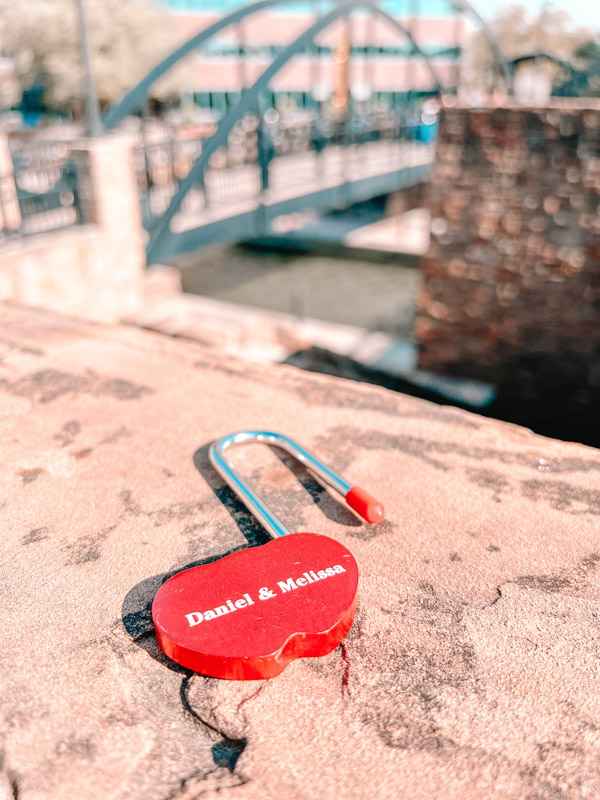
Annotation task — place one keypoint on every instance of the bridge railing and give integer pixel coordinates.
(264, 154)
(37, 198)
(39, 153)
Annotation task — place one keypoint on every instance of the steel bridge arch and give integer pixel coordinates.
(134, 99)
(250, 98)
(516, 62)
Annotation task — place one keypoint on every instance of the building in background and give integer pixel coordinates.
(380, 69)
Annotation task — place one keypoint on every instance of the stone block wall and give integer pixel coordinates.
(511, 292)
(67, 271)
(96, 270)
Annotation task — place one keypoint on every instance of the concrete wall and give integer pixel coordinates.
(96, 270)
(512, 277)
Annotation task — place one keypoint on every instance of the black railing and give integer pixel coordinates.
(37, 199)
(39, 154)
(159, 165)
(242, 170)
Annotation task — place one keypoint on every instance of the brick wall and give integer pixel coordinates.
(511, 290)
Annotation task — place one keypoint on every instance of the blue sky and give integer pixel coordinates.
(584, 12)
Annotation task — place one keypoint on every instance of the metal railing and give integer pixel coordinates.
(36, 199)
(261, 153)
(39, 153)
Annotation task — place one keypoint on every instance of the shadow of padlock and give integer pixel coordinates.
(247, 615)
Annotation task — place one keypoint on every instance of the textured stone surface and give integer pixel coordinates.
(472, 669)
(511, 291)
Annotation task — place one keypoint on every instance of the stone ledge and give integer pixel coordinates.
(472, 667)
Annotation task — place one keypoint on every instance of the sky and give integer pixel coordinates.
(583, 12)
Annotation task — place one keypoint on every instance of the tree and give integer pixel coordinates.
(585, 80)
(551, 32)
(126, 37)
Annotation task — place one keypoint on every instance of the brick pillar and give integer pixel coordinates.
(110, 200)
(511, 282)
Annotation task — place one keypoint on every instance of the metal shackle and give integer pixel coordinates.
(358, 499)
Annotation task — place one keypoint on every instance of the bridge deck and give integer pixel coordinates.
(302, 183)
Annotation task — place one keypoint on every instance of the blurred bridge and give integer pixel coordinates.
(244, 195)
(253, 168)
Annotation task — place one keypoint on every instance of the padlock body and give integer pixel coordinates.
(247, 615)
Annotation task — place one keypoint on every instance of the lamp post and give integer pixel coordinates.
(92, 110)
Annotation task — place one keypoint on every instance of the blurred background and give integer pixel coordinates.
(402, 192)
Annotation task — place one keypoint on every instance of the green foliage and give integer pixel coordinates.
(585, 78)
(588, 51)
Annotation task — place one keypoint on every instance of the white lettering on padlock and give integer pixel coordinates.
(196, 617)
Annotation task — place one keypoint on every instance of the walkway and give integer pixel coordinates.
(301, 184)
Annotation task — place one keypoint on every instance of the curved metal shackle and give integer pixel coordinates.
(361, 501)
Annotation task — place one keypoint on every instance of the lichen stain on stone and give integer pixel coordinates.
(122, 389)
(406, 694)
(131, 507)
(573, 580)
(117, 434)
(84, 453)
(48, 385)
(489, 479)
(26, 349)
(30, 475)
(352, 395)
(217, 365)
(69, 431)
(88, 548)
(589, 563)
(126, 718)
(428, 450)
(547, 583)
(563, 496)
(78, 747)
(35, 535)
(338, 396)
(164, 514)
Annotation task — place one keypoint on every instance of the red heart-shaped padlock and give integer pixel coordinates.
(247, 615)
